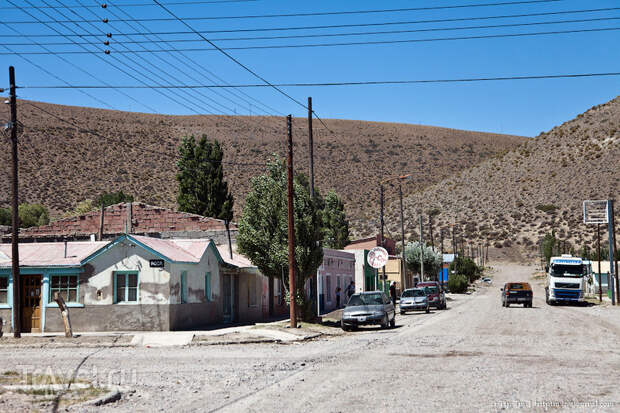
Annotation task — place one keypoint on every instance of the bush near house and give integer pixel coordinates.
(466, 267)
(457, 283)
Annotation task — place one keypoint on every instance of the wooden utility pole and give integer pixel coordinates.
(291, 225)
(383, 277)
(600, 276)
(17, 311)
(613, 230)
(430, 226)
(421, 250)
(403, 266)
(313, 280)
(612, 271)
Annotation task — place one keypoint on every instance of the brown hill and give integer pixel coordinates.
(516, 198)
(61, 164)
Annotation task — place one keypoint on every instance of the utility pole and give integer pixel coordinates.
(384, 278)
(612, 277)
(421, 250)
(402, 236)
(313, 280)
(600, 276)
(453, 242)
(430, 226)
(17, 310)
(613, 230)
(291, 226)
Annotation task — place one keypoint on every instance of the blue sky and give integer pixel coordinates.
(514, 107)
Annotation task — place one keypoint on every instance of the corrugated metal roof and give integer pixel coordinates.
(51, 254)
(171, 250)
(238, 260)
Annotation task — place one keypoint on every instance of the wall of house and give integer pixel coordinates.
(250, 282)
(337, 269)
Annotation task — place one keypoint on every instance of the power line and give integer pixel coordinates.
(434, 29)
(176, 3)
(313, 14)
(338, 26)
(360, 83)
(229, 56)
(364, 43)
(95, 133)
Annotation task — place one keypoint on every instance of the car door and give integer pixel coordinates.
(389, 307)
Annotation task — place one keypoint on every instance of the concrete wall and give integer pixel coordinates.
(337, 269)
(249, 282)
(5, 315)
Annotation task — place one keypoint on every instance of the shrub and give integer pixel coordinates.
(466, 267)
(457, 283)
(548, 208)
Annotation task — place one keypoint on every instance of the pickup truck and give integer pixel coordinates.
(517, 293)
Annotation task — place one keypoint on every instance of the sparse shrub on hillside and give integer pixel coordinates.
(548, 208)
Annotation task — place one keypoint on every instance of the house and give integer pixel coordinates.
(133, 218)
(131, 283)
(602, 277)
(371, 242)
(336, 270)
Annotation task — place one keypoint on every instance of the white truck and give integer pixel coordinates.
(566, 280)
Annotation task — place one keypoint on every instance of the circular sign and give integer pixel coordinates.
(377, 257)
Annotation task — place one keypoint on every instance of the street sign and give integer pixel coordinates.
(595, 212)
(377, 257)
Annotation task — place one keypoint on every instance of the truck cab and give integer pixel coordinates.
(566, 280)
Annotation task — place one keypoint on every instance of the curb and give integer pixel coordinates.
(57, 346)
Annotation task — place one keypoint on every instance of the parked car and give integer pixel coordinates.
(414, 299)
(367, 308)
(487, 280)
(436, 297)
(517, 293)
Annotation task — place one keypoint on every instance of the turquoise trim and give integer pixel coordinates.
(216, 252)
(126, 273)
(47, 289)
(183, 287)
(44, 270)
(208, 286)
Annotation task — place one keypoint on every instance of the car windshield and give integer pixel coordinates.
(562, 270)
(365, 299)
(430, 290)
(516, 286)
(413, 293)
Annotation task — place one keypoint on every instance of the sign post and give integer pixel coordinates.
(600, 212)
(377, 258)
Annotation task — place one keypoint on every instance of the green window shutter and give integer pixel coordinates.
(208, 286)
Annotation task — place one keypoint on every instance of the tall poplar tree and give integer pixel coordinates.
(202, 188)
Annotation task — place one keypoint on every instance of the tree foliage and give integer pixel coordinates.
(32, 215)
(467, 267)
(263, 228)
(5, 216)
(108, 198)
(83, 207)
(457, 283)
(335, 223)
(432, 259)
(202, 188)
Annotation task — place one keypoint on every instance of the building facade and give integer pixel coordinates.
(336, 271)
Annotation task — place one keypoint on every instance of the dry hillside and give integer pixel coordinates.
(62, 164)
(515, 198)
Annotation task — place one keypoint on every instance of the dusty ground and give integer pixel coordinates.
(475, 356)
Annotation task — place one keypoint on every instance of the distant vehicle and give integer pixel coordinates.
(517, 293)
(487, 280)
(413, 299)
(566, 280)
(367, 308)
(436, 297)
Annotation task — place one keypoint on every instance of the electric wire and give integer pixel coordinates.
(364, 43)
(360, 83)
(238, 62)
(335, 13)
(339, 26)
(201, 69)
(108, 138)
(175, 3)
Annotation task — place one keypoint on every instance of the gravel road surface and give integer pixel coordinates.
(475, 356)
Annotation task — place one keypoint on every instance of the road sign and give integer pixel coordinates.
(377, 257)
(595, 212)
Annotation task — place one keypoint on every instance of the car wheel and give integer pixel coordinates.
(393, 322)
(547, 296)
(507, 304)
(402, 312)
(385, 322)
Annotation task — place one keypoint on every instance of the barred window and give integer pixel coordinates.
(66, 286)
(126, 285)
(4, 289)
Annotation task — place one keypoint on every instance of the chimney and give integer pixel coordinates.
(129, 218)
(100, 234)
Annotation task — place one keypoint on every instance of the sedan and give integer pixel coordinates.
(368, 308)
(414, 299)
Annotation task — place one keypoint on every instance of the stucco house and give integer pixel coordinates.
(336, 270)
(131, 283)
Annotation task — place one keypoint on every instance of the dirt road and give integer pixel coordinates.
(475, 356)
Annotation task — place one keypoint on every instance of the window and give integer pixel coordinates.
(125, 287)
(328, 286)
(4, 289)
(252, 291)
(184, 287)
(208, 286)
(66, 286)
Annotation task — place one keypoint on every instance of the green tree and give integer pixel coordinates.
(335, 223)
(111, 198)
(33, 215)
(202, 189)
(83, 207)
(457, 283)
(548, 245)
(432, 259)
(263, 230)
(467, 267)
(5, 216)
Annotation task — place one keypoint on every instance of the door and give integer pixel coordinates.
(31, 303)
(227, 293)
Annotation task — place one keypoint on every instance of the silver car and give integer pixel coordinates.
(414, 299)
(373, 307)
